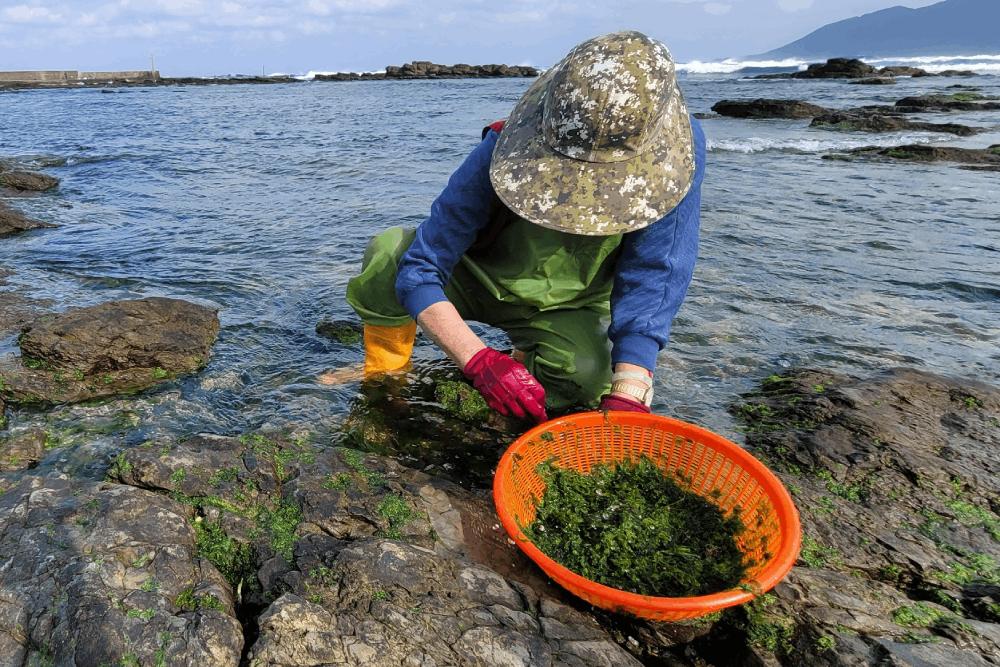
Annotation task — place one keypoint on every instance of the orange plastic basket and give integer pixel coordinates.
(771, 539)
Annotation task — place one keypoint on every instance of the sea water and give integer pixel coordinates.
(259, 200)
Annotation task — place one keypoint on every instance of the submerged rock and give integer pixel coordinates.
(987, 159)
(112, 348)
(97, 573)
(896, 480)
(12, 222)
(27, 180)
(345, 332)
(860, 121)
(768, 108)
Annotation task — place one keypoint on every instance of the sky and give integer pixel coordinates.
(202, 37)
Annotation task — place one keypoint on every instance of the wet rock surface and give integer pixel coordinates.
(112, 348)
(21, 451)
(13, 222)
(971, 158)
(348, 557)
(96, 573)
(768, 108)
(271, 549)
(896, 479)
(859, 121)
(31, 181)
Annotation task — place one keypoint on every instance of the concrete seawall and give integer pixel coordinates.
(64, 77)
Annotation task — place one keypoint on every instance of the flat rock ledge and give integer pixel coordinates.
(973, 159)
(108, 349)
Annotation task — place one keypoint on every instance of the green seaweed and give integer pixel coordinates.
(397, 513)
(631, 527)
(233, 559)
(461, 400)
(187, 600)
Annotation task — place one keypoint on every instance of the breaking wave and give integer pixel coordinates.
(982, 64)
(805, 145)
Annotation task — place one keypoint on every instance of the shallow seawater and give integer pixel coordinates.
(258, 200)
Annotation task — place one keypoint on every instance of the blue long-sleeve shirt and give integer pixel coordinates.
(652, 273)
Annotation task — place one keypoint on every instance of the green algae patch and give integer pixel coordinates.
(633, 528)
(341, 331)
(233, 559)
(461, 400)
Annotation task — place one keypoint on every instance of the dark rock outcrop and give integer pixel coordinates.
(32, 181)
(986, 159)
(896, 479)
(13, 222)
(422, 69)
(112, 348)
(876, 122)
(768, 108)
(95, 573)
(902, 70)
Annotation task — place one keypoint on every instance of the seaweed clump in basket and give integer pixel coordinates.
(631, 527)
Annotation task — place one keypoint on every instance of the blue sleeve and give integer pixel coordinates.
(653, 274)
(457, 216)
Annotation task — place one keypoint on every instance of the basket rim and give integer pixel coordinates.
(776, 569)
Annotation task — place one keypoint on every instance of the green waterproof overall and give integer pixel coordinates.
(548, 290)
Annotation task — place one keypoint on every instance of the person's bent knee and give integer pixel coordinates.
(574, 379)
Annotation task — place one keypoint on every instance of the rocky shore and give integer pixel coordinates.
(418, 69)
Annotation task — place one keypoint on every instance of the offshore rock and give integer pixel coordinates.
(834, 68)
(12, 222)
(107, 349)
(768, 108)
(27, 180)
(896, 480)
(97, 573)
(963, 101)
(860, 121)
(874, 81)
(422, 69)
(986, 159)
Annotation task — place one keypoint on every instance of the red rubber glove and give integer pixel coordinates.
(623, 404)
(506, 385)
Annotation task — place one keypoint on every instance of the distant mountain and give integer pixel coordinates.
(952, 27)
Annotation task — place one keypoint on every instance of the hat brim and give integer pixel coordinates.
(571, 195)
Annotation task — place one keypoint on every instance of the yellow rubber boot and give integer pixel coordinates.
(388, 349)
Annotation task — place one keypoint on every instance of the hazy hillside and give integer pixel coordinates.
(952, 27)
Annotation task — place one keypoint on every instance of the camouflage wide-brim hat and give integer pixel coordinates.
(601, 143)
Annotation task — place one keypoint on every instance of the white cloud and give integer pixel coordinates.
(717, 8)
(794, 5)
(29, 14)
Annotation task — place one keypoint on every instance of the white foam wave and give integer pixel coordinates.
(729, 65)
(805, 145)
(982, 63)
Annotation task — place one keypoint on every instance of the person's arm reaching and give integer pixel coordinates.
(459, 213)
(653, 274)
